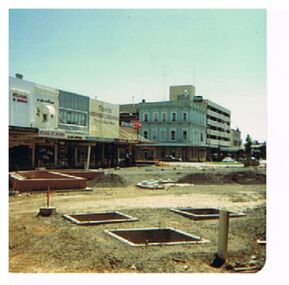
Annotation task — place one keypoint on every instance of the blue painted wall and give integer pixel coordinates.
(193, 123)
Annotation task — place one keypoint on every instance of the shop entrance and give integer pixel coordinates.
(20, 158)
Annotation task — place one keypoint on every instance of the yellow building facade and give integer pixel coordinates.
(103, 119)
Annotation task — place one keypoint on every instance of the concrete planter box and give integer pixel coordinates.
(42, 180)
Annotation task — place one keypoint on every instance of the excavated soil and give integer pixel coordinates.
(239, 177)
(107, 180)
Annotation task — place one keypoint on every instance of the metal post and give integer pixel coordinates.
(88, 157)
(117, 151)
(33, 156)
(102, 156)
(55, 154)
(223, 235)
(48, 198)
(75, 157)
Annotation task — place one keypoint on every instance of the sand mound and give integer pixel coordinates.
(245, 177)
(240, 177)
(107, 180)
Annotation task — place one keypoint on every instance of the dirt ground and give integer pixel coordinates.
(53, 244)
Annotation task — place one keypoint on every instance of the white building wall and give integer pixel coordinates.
(46, 106)
(32, 105)
(20, 102)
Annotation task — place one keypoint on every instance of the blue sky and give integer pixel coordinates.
(117, 55)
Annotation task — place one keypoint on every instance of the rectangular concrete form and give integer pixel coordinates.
(154, 236)
(40, 180)
(203, 213)
(87, 174)
(99, 218)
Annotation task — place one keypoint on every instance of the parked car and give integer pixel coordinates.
(170, 158)
(251, 161)
(228, 159)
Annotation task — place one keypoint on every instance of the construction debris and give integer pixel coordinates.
(261, 242)
(150, 185)
(246, 269)
(160, 184)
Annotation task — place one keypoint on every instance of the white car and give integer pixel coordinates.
(228, 159)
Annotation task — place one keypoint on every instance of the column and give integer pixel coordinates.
(88, 157)
(33, 155)
(55, 154)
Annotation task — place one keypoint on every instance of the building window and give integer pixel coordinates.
(185, 134)
(73, 118)
(155, 116)
(174, 116)
(44, 118)
(154, 135)
(145, 117)
(83, 120)
(69, 118)
(145, 134)
(162, 135)
(164, 116)
(185, 116)
(202, 137)
(173, 135)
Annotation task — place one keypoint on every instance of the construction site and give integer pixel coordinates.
(167, 217)
(93, 189)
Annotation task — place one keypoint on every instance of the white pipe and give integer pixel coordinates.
(223, 234)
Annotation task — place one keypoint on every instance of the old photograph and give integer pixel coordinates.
(137, 140)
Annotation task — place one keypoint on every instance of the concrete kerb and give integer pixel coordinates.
(124, 218)
(196, 239)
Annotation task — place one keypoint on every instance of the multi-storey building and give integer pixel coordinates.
(236, 140)
(197, 126)
(218, 127)
(218, 124)
(176, 127)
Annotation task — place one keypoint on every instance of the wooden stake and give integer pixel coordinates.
(48, 198)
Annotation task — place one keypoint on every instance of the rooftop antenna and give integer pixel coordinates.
(194, 76)
(165, 80)
(132, 100)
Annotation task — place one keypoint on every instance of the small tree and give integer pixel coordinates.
(248, 145)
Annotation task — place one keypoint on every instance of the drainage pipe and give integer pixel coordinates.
(223, 235)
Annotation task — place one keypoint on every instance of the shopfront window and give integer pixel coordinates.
(72, 118)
